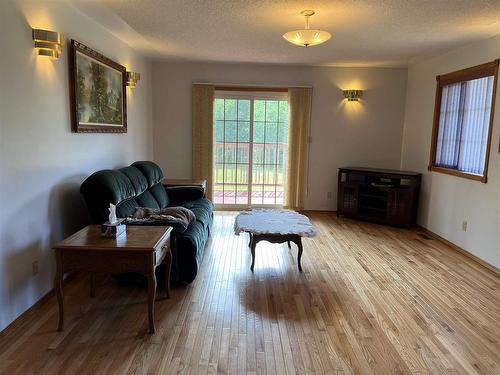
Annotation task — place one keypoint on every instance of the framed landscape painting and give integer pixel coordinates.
(98, 90)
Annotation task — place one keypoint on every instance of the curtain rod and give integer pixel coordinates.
(242, 85)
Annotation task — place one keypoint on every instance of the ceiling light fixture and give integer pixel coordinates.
(307, 37)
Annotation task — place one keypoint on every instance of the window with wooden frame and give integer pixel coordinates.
(463, 121)
(250, 146)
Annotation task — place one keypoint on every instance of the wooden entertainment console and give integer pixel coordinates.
(384, 196)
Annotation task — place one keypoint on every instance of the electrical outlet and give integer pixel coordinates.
(329, 195)
(464, 225)
(34, 267)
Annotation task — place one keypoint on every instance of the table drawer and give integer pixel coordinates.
(105, 261)
(161, 250)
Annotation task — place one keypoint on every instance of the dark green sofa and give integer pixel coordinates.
(139, 185)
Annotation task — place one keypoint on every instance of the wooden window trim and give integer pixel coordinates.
(475, 72)
(238, 92)
(455, 172)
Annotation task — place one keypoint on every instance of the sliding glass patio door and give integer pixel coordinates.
(250, 149)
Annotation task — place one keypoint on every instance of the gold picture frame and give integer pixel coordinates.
(98, 92)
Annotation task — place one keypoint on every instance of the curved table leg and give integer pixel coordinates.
(253, 243)
(58, 289)
(168, 267)
(276, 238)
(299, 255)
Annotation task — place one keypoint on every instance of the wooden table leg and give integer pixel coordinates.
(151, 300)
(253, 243)
(299, 255)
(276, 238)
(58, 289)
(168, 267)
(92, 285)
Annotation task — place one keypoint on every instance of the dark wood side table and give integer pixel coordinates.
(141, 249)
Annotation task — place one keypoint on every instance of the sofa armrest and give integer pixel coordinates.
(184, 193)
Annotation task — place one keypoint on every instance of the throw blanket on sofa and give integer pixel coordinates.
(171, 215)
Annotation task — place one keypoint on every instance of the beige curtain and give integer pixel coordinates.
(298, 146)
(203, 103)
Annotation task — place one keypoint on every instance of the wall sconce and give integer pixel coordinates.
(353, 95)
(47, 43)
(132, 79)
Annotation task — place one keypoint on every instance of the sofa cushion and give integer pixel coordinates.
(136, 178)
(126, 208)
(160, 195)
(105, 187)
(147, 200)
(150, 170)
(202, 209)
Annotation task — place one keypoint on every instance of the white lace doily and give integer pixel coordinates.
(274, 221)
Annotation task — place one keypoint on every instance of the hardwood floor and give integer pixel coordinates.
(371, 299)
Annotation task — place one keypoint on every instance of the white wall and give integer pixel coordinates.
(446, 200)
(367, 133)
(42, 163)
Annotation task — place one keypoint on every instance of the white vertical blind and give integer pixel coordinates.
(463, 125)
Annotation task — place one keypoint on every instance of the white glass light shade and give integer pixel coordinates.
(307, 37)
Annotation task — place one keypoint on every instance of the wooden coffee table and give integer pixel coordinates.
(141, 249)
(275, 226)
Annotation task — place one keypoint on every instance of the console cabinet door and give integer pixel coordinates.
(398, 207)
(348, 198)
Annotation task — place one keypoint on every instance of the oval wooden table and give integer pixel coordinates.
(275, 226)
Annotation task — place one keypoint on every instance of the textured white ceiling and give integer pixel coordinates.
(365, 32)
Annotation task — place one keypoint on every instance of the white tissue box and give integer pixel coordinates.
(109, 230)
